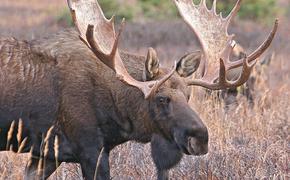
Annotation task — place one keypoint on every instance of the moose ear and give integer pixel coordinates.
(188, 64)
(151, 65)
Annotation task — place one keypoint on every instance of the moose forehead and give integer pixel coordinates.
(175, 83)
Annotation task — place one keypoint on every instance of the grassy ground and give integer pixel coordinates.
(245, 142)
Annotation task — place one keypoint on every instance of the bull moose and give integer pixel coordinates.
(229, 96)
(97, 97)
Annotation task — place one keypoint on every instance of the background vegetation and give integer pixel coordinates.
(259, 10)
(146, 10)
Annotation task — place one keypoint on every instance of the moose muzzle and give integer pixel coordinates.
(192, 138)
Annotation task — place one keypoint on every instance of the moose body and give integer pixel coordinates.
(57, 81)
(29, 89)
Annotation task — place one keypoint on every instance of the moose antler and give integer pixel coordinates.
(99, 35)
(212, 32)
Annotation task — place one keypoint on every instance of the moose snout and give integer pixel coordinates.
(198, 141)
(191, 134)
(192, 140)
(200, 133)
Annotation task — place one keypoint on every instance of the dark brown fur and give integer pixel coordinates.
(58, 81)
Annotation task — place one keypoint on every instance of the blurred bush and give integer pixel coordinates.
(144, 10)
(157, 9)
(257, 10)
(113, 7)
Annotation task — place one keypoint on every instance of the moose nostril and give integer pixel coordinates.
(163, 100)
(200, 134)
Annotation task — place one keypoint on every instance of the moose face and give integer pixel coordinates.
(169, 109)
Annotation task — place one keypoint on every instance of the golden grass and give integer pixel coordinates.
(28, 13)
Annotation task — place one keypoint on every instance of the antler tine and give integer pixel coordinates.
(214, 6)
(222, 74)
(98, 33)
(260, 50)
(246, 72)
(266, 43)
(234, 12)
(97, 50)
(212, 32)
(203, 3)
(222, 82)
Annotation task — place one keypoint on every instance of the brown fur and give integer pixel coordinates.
(58, 81)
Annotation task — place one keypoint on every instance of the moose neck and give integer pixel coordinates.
(130, 101)
(125, 104)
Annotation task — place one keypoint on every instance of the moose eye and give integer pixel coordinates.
(163, 100)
